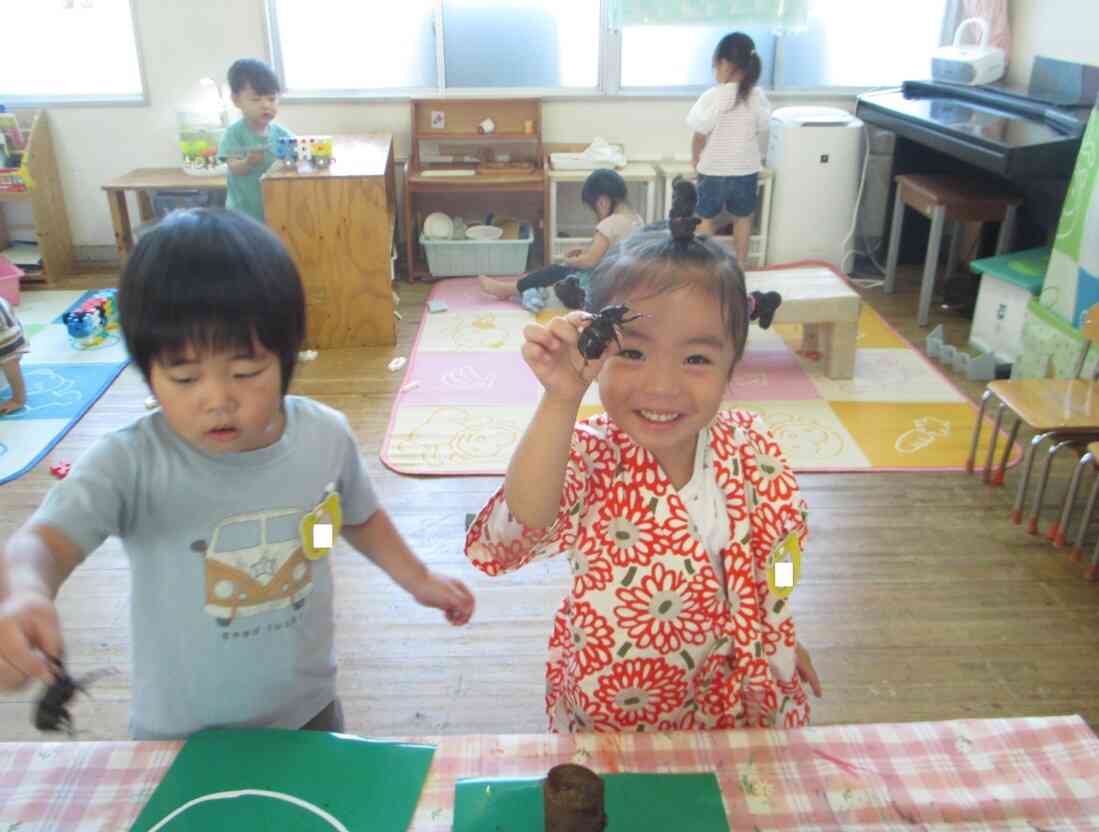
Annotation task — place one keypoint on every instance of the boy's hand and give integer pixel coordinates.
(29, 628)
(11, 406)
(574, 252)
(552, 353)
(254, 157)
(806, 671)
(447, 594)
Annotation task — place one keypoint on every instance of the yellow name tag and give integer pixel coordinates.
(784, 567)
(321, 526)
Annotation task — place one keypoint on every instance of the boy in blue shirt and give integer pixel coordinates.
(249, 145)
(215, 497)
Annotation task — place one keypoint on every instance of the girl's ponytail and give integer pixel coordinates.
(753, 68)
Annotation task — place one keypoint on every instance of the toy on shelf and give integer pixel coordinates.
(90, 323)
(310, 151)
(198, 143)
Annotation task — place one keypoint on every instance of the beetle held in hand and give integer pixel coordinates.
(51, 712)
(603, 329)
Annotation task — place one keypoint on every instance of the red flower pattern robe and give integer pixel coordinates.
(646, 639)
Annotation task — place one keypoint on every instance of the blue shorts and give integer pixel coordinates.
(736, 193)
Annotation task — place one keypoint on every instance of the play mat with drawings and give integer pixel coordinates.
(467, 396)
(64, 375)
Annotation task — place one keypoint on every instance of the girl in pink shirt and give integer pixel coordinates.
(681, 521)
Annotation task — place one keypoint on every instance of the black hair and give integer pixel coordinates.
(215, 279)
(603, 182)
(255, 74)
(740, 51)
(662, 262)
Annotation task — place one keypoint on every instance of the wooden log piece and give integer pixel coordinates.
(573, 797)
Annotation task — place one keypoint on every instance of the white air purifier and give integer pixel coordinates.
(815, 154)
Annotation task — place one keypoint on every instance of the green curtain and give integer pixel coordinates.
(782, 14)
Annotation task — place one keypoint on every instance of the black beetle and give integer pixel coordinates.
(603, 329)
(51, 712)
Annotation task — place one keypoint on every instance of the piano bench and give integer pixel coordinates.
(940, 198)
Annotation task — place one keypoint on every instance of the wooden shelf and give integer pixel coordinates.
(51, 219)
(488, 182)
(516, 119)
(444, 136)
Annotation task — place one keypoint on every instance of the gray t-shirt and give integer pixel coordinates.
(230, 623)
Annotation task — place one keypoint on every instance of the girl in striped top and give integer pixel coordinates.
(727, 122)
(13, 345)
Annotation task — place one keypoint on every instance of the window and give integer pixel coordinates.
(57, 50)
(543, 47)
(681, 56)
(334, 46)
(546, 45)
(848, 43)
(852, 43)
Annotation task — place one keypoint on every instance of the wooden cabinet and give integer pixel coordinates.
(509, 159)
(338, 225)
(51, 220)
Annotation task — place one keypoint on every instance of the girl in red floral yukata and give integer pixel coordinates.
(672, 512)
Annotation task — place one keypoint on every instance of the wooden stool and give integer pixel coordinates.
(941, 198)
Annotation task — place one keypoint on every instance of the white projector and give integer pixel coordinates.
(980, 64)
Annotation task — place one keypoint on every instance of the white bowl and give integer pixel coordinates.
(484, 232)
(438, 226)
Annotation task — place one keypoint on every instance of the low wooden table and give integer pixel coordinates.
(827, 306)
(142, 180)
(1034, 773)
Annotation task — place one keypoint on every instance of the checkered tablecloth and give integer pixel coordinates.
(1026, 774)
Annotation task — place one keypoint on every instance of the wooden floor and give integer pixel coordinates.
(920, 600)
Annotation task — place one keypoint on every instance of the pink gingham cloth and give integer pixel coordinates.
(1026, 774)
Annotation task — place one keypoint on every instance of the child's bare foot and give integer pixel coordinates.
(502, 289)
(11, 406)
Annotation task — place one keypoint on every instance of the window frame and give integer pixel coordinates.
(37, 102)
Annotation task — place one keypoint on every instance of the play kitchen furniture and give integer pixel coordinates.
(639, 172)
(468, 147)
(47, 200)
(143, 181)
(826, 306)
(987, 774)
(337, 223)
(757, 243)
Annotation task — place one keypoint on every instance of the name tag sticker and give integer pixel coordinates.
(321, 526)
(784, 567)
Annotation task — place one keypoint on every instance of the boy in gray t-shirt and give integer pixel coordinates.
(223, 500)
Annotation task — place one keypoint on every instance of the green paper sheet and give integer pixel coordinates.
(362, 784)
(634, 803)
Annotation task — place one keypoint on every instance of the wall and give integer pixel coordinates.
(1064, 29)
(182, 42)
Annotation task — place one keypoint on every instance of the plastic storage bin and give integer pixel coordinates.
(461, 258)
(9, 281)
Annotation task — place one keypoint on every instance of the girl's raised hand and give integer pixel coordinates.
(552, 353)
